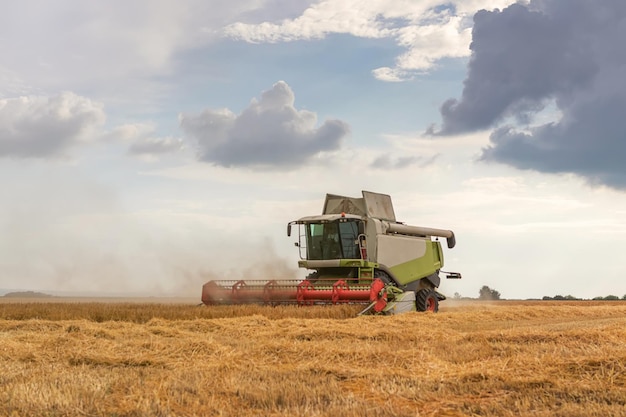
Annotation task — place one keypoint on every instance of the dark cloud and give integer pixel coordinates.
(591, 143)
(270, 132)
(562, 53)
(43, 127)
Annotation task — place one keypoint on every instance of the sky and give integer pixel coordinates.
(151, 146)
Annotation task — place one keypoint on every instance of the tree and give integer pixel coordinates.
(487, 293)
(560, 297)
(495, 295)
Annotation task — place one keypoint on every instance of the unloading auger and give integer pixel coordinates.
(357, 253)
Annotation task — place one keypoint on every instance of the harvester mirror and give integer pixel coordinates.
(288, 229)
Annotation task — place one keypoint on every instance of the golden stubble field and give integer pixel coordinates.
(167, 359)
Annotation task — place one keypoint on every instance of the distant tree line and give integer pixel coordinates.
(571, 297)
(561, 297)
(487, 293)
(27, 294)
(610, 297)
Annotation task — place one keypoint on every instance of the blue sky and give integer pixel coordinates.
(151, 147)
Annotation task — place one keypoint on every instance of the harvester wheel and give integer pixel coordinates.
(313, 276)
(426, 300)
(383, 276)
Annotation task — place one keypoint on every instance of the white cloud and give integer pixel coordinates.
(392, 75)
(129, 132)
(152, 147)
(143, 140)
(429, 30)
(47, 126)
(316, 22)
(449, 37)
(270, 132)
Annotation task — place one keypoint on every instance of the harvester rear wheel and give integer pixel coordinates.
(426, 300)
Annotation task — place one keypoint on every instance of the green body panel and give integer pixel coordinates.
(419, 268)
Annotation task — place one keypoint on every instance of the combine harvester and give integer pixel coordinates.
(358, 253)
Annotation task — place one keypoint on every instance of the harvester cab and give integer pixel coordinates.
(356, 252)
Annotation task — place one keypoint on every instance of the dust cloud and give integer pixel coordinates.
(75, 237)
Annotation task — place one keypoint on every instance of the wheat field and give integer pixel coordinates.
(166, 359)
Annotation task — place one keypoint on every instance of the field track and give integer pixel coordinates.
(138, 358)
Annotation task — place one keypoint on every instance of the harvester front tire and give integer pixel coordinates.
(312, 277)
(383, 276)
(426, 300)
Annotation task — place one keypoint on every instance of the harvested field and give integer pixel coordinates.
(152, 359)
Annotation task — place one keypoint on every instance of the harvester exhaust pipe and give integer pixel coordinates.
(423, 231)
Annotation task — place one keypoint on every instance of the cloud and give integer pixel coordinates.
(428, 30)
(41, 127)
(270, 132)
(105, 47)
(386, 161)
(527, 58)
(128, 132)
(155, 146)
(143, 139)
(273, 9)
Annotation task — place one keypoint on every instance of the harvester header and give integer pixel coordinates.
(356, 252)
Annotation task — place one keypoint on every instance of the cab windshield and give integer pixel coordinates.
(333, 240)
